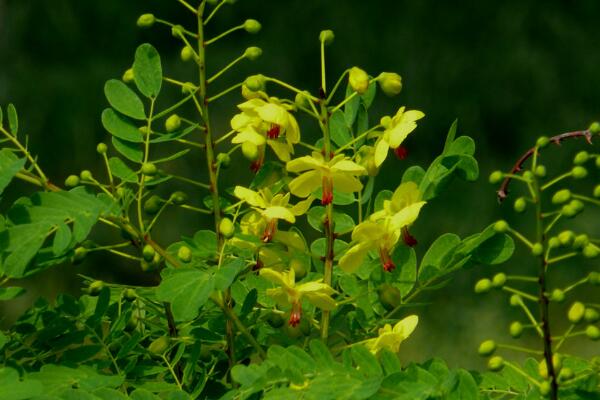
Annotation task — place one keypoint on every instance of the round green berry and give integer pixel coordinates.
(184, 253)
(566, 238)
(542, 142)
(129, 294)
(579, 172)
(177, 31)
(515, 300)
(95, 288)
(581, 241)
(520, 204)
(516, 329)
(591, 315)
(252, 26)
(178, 198)
(499, 280)
(553, 242)
(224, 160)
(557, 296)
(159, 346)
(594, 278)
(592, 332)
(597, 189)
(591, 251)
(487, 348)
(226, 228)
(496, 363)
(253, 53)
(153, 204)
(101, 148)
(256, 83)
(594, 127)
(581, 158)
(186, 54)
(528, 175)
(173, 123)
(72, 181)
(540, 171)
(568, 211)
(576, 312)
(495, 177)
(577, 205)
(148, 252)
(128, 76)
(537, 249)
(146, 20)
(326, 37)
(149, 169)
(501, 226)
(483, 286)
(86, 175)
(562, 196)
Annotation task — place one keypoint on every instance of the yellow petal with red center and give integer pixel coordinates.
(273, 113)
(281, 149)
(249, 134)
(304, 163)
(354, 257)
(249, 196)
(346, 183)
(278, 212)
(302, 206)
(407, 215)
(303, 185)
(381, 151)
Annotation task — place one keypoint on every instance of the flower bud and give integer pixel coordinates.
(581, 241)
(101, 148)
(152, 205)
(390, 83)
(592, 332)
(496, 363)
(95, 288)
(187, 53)
(540, 171)
(72, 181)
(579, 172)
(553, 242)
(557, 296)
(597, 188)
(562, 196)
(501, 226)
(566, 238)
(252, 53)
(483, 286)
(129, 294)
(86, 175)
(159, 346)
(496, 177)
(252, 26)
(177, 31)
(591, 315)
(188, 88)
(576, 312)
(250, 151)
(581, 158)
(594, 127)
(537, 249)
(591, 251)
(149, 169)
(594, 278)
(566, 374)
(528, 175)
(516, 329)
(128, 76)
(256, 82)
(545, 388)
(520, 204)
(226, 228)
(148, 252)
(173, 123)
(358, 80)
(326, 37)
(224, 160)
(499, 280)
(302, 99)
(299, 268)
(515, 300)
(487, 348)
(184, 254)
(178, 198)
(568, 211)
(577, 205)
(146, 20)
(542, 142)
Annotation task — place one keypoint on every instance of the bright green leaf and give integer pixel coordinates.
(119, 126)
(147, 70)
(187, 290)
(123, 99)
(9, 166)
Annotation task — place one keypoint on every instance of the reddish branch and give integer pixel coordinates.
(503, 191)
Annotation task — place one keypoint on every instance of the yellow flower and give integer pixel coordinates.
(339, 172)
(391, 338)
(316, 292)
(262, 121)
(396, 130)
(272, 207)
(383, 229)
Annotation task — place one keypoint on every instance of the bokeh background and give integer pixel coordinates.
(510, 71)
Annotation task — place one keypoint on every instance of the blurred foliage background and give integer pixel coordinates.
(509, 71)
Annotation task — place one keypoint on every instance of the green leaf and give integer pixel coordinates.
(20, 244)
(405, 274)
(450, 137)
(439, 253)
(124, 100)
(9, 293)
(381, 197)
(110, 394)
(366, 362)
(147, 70)
(338, 129)
(56, 378)
(495, 250)
(119, 169)
(12, 388)
(130, 151)
(172, 157)
(368, 97)
(9, 166)
(224, 276)
(187, 290)
(62, 239)
(119, 126)
(368, 190)
(13, 119)
(466, 389)
(343, 223)
(351, 107)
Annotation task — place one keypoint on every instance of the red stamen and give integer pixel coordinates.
(269, 231)
(259, 264)
(255, 166)
(401, 152)
(386, 260)
(408, 239)
(327, 197)
(274, 132)
(295, 315)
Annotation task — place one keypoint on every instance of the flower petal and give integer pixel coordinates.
(249, 196)
(381, 151)
(273, 113)
(281, 150)
(407, 215)
(303, 185)
(249, 134)
(349, 167)
(279, 212)
(302, 206)
(321, 301)
(278, 278)
(354, 257)
(346, 183)
(406, 326)
(303, 163)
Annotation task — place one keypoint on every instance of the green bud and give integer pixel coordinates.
(520, 204)
(594, 278)
(146, 20)
(159, 346)
(177, 31)
(184, 253)
(143, 130)
(483, 286)
(252, 53)
(581, 241)
(542, 142)
(577, 205)
(568, 211)
(252, 26)
(566, 374)
(326, 37)
(129, 294)
(591, 315)
(358, 80)
(537, 249)
(390, 83)
(256, 82)
(86, 175)
(557, 296)
(566, 238)
(562, 196)
(187, 53)
(178, 198)
(302, 99)
(487, 348)
(188, 88)
(592, 332)
(149, 169)
(153, 204)
(95, 288)
(148, 252)
(553, 242)
(72, 181)
(516, 329)
(576, 312)
(499, 280)
(496, 363)
(540, 171)
(250, 151)
(528, 175)
(581, 158)
(128, 76)
(591, 251)
(501, 226)
(226, 228)
(156, 260)
(594, 127)
(101, 148)
(496, 177)
(385, 121)
(597, 189)
(545, 388)
(172, 123)
(579, 172)
(275, 320)
(515, 300)
(389, 296)
(223, 160)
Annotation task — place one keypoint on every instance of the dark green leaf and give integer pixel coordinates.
(62, 239)
(123, 99)
(9, 166)
(9, 293)
(119, 169)
(131, 151)
(13, 119)
(351, 107)
(147, 70)
(119, 126)
(338, 129)
(187, 290)
(495, 250)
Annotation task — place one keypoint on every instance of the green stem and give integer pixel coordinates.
(337, 84)
(224, 92)
(143, 177)
(186, 5)
(27, 154)
(225, 69)
(356, 139)
(222, 35)
(212, 14)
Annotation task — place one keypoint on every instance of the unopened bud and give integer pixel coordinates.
(146, 20)
(326, 37)
(128, 76)
(255, 82)
(253, 53)
(173, 123)
(390, 83)
(358, 80)
(252, 26)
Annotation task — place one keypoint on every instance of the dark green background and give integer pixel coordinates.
(509, 71)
